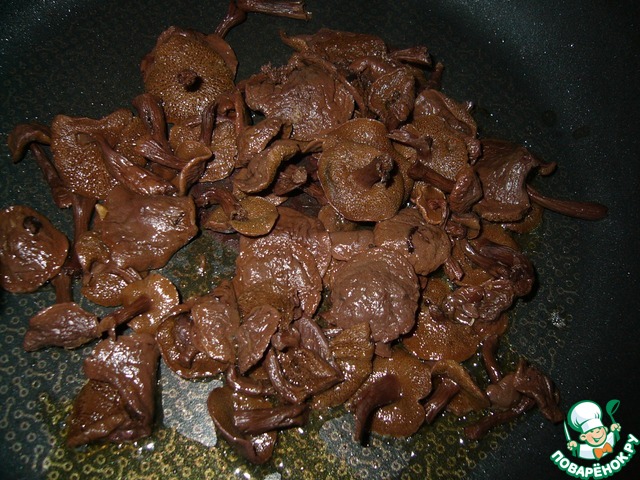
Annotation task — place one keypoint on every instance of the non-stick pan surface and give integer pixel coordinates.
(558, 77)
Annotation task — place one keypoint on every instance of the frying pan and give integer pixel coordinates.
(558, 77)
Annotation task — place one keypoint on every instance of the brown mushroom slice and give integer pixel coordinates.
(431, 202)
(33, 250)
(254, 335)
(402, 417)
(195, 156)
(179, 345)
(65, 325)
(284, 262)
(484, 303)
(255, 138)
(251, 216)
(503, 170)
(80, 164)
(456, 114)
(305, 369)
(102, 280)
(133, 133)
(188, 70)
(531, 382)
(123, 315)
(308, 231)
(216, 321)
(282, 297)
(470, 397)
(440, 338)
(347, 244)
(306, 96)
(474, 274)
(288, 179)
(378, 287)
(118, 402)
(438, 145)
(225, 152)
(338, 47)
(263, 167)
(391, 96)
(23, 135)
(352, 350)
(384, 390)
(222, 404)
(426, 246)
(143, 232)
(163, 295)
(261, 215)
(333, 220)
(359, 181)
(262, 420)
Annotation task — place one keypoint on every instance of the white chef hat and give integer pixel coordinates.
(585, 416)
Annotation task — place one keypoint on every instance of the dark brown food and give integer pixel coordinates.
(378, 287)
(65, 325)
(32, 250)
(118, 402)
(373, 226)
(143, 232)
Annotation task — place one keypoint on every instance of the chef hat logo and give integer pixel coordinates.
(585, 416)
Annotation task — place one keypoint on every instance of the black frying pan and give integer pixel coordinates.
(559, 77)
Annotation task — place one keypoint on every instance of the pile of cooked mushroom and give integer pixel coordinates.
(375, 227)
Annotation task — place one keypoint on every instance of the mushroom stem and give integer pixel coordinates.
(489, 349)
(262, 420)
(154, 151)
(571, 208)
(123, 314)
(479, 429)
(377, 170)
(441, 396)
(238, 10)
(151, 113)
(230, 204)
(60, 193)
(383, 391)
(134, 177)
(420, 171)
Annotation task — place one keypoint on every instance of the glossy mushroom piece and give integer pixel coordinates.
(361, 173)
(33, 250)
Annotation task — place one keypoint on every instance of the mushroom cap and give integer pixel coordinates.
(167, 337)
(449, 151)
(378, 286)
(308, 97)
(33, 250)
(257, 219)
(143, 232)
(306, 230)
(353, 352)
(81, 166)
(282, 261)
(426, 246)
(184, 51)
(339, 47)
(163, 295)
(337, 172)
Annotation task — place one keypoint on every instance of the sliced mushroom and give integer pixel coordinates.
(411, 378)
(379, 287)
(65, 325)
(188, 70)
(32, 251)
